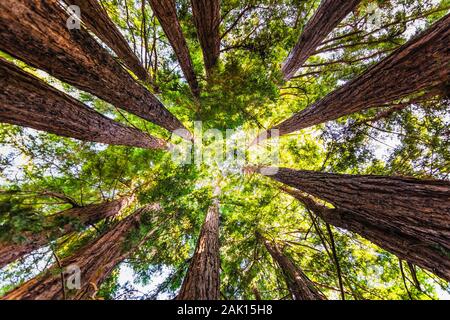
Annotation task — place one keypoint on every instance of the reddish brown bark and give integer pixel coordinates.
(206, 15)
(202, 279)
(414, 208)
(166, 13)
(35, 31)
(96, 19)
(406, 247)
(60, 224)
(96, 261)
(329, 14)
(421, 64)
(28, 101)
(300, 287)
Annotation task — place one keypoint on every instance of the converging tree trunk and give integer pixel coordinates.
(300, 287)
(90, 265)
(202, 278)
(329, 14)
(418, 209)
(36, 31)
(207, 21)
(59, 224)
(404, 246)
(423, 63)
(166, 13)
(26, 100)
(97, 20)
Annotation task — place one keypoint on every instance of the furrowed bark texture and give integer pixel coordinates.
(96, 261)
(97, 20)
(300, 287)
(207, 21)
(26, 100)
(329, 14)
(35, 31)
(202, 279)
(58, 225)
(419, 209)
(423, 63)
(166, 13)
(404, 246)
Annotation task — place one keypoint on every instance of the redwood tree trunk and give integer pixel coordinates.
(98, 21)
(329, 14)
(35, 31)
(166, 13)
(300, 287)
(207, 21)
(28, 101)
(421, 64)
(202, 279)
(419, 209)
(60, 224)
(406, 247)
(96, 261)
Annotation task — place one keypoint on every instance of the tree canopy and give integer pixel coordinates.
(179, 63)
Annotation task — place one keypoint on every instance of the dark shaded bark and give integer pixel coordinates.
(300, 287)
(206, 15)
(166, 13)
(26, 100)
(405, 247)
(60, 224)
(421, 64)
(97, 20)
(329, 14)
(96, 261)
(35, 31)
(256, 293)
(406, 216)
(202, 279)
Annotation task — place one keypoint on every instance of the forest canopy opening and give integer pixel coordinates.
(224, 150)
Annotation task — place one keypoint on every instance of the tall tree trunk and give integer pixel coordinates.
(95, 261)
(329, 14)
(97, 20)
(419, 209)
(202, 279)
(28, 33)
(404, 246)
(421, 64)
(166, 13)
(60, 224)
(207, 21)
(300, 287)
(28, 101)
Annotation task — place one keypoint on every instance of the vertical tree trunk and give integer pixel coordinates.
(96, 261)
(166, 13)
(421, 64)
(28, 101)
(207, 21)
(329, 14)
(300, 287)
(404, 246)
(202, 279)
(35, 31)
(60, 224)
(97, 20)
(419, 209)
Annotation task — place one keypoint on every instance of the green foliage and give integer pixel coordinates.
(245, 91)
